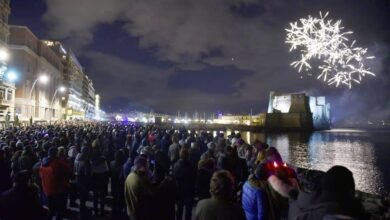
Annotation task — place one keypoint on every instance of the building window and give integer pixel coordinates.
(9, 95)
(2, 92)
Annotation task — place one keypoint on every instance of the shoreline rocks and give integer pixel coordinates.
(377, 206)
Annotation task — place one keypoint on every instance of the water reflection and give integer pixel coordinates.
(321, 150)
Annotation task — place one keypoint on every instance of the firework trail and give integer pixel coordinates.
(323, 41)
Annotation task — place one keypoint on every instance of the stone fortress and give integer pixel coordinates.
(297, 111)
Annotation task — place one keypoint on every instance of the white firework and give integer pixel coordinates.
(323, 41)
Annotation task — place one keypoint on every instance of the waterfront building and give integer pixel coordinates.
(7, 86)
(297, 111)
(40, 76)
(89, 98)
(79, 101)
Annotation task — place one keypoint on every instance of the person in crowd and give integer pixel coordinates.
(184, 174)
(72, 153)
(210, 153)
(220, 206)
(5, 173)
(22, 200)
(138, 190)
(117, 184)
(194, 154)
(55, 174)
(335, 199)
(82, 171)
(174, 150)
(205, 171)
(254, 197)
(99, 181)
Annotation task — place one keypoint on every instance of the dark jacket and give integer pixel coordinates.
(311, 206)
(218, 209)
(22, 203)
(184, 175)
(82, 167)
(5, 177)
(254, 199)
(203, 178)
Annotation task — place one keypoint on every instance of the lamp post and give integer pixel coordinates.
(42, 79)
(59, 89)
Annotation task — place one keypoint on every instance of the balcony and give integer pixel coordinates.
(5, 102)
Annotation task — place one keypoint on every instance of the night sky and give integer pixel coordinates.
(208, 55)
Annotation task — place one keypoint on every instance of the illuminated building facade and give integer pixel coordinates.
(296, 110)
(79, 102)
(33, 58)
(89, 98)
(7, 87)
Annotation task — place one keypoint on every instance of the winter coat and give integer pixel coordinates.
(185, 175)
(203, 178)
(5, 177)
(311, 206)
(82, 166)
(173, 152)
(218, 209)
(254, 199)
(22, 203)
(138, 195)
(278, 195)
(55, 174)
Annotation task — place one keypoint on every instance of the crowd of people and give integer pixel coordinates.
(144, 172)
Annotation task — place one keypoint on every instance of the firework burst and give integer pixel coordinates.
(339, 61)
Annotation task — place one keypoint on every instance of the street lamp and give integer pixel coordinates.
(11, 76)
(3, 55)
(42, 79)
(61, 89)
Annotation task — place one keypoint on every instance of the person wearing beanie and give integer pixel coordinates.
(22, 200)
(55, 173)
(210, 153)
(82, 171)
(174, 150)
(336, 197)
(220, 205)
(194, 154)
(184, 174)
(254, 196)
(138, 191)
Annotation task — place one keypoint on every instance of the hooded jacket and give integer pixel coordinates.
(55, 174)
(254, 199)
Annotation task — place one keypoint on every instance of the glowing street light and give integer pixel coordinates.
(61, 89)
(11, 76)
(4, 55)
(42, 79)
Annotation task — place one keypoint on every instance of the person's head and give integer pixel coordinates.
(62, 152)
(53, 152)
(211, 146)
(184, 154)
(222, 184)
(194, 145)
(22, 179)
(261, 172)
(85, 150)
(272, 154)
(338, 181)
(141, 164)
